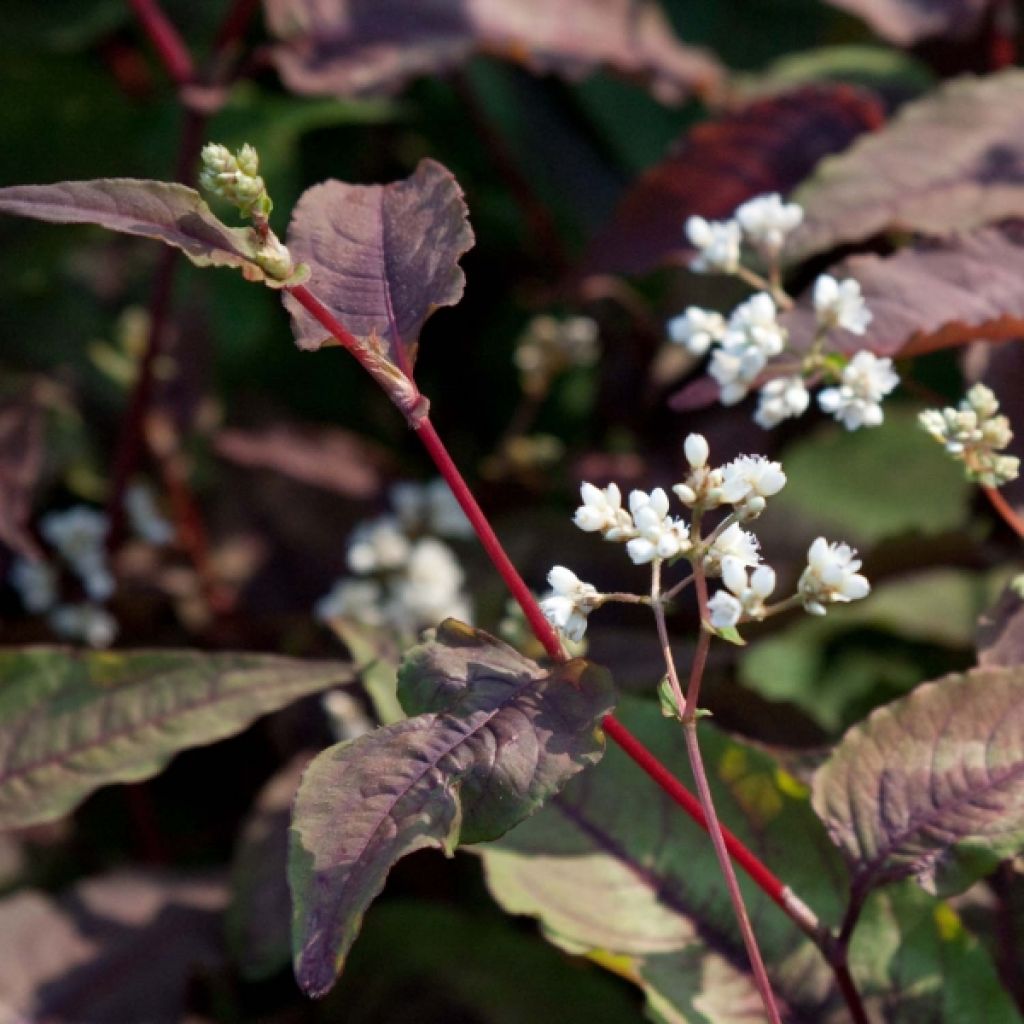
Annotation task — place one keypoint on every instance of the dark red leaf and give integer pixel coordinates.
(768, 146)
(1001, 633)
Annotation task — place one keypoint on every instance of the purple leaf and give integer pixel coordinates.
(360, 47)
(933, 294)
(931, 786)
(493, 736)
(906, 22)
(168, 212)
(952, 161)
(21, 461)
(383, 257)
(1001, 633)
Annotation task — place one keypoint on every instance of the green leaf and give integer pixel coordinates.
(171, 213)
(613, 867)
(376, 655)
(871, 484)
(494, 735)
(931, 786)
(73, 721)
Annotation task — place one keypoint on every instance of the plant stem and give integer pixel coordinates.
(170, 47)
(755, 280)
(689, 720)
(1005, 510)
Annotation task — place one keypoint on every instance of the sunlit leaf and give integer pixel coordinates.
(768, 146)
(383, 257)
(948, 162)
(491, 737)
(359, 47)
(73, 721)
(930, 786)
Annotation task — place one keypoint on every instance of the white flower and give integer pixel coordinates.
(602, 512)
(725, 610)
(697, 450)
(429, 508)
(831, 576)
(660, 536)
(733, 542)
(88, 623)
(840, 304)
(748, 593)
(735, 371)
(431, 589)
(570, 602)
(376, 545)
(697, 329)
(781, 399)
(974, 433)
(865, 381)
(145, 517)
(767, 220)
(76, 533)
(751, 477)
(35, 582)
(717, 242)
(360, 600)
(753, 335)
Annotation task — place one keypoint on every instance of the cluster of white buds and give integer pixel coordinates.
(550, 346)
(975, 433)
(831, 577)
(744, 346)
(236, 178)
(407, 578)
(652, 535)
(145, 517)
(79, 535)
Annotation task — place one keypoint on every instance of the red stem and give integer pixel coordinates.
(171, 48)
(235, 24)
(1005, 510)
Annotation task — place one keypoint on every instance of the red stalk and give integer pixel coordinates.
(1005, 510)
(170, 47)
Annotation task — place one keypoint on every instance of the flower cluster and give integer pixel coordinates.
(550, 346)
(653, 535)
(405, 577)
(975, 433)
(236, 178)
(748, 347)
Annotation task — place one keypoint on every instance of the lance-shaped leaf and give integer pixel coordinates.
(931, 785)
(933, 294)
(72, 721)
(952, 161)
(169, 212)
(493, 736)
(906, 22)
(359, 47)
(768, 146)
(383, 257)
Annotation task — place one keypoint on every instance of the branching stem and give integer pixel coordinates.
(1005, 509)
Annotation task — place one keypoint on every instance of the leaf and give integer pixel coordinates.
(359, 47)
(383, 257)
(377, 653)
(166, 211)
(835, 480)
(906, 22)
(933, 294)
(611, 866)
(930, 786)
(73, 721)
(971, 130)
(768, 146)
(119, 947)
(493, 736)
(1001, 633)
(330, 458)
(22, 423)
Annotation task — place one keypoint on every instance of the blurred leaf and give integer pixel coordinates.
(359, 47)
(871, 484)
(383, 257)
(259, 917)
(971, 129)
(72, 721)
(930, 785)
(22, 423)
(906, 22)
(933, 294)
(65, 25)
(768, 146)
(333, 459)
(1001, 633)
(377, 655)
(493, 736)
(166, 211)
(120, 947)
(612, 866)
(808, 665)
(411, 955)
